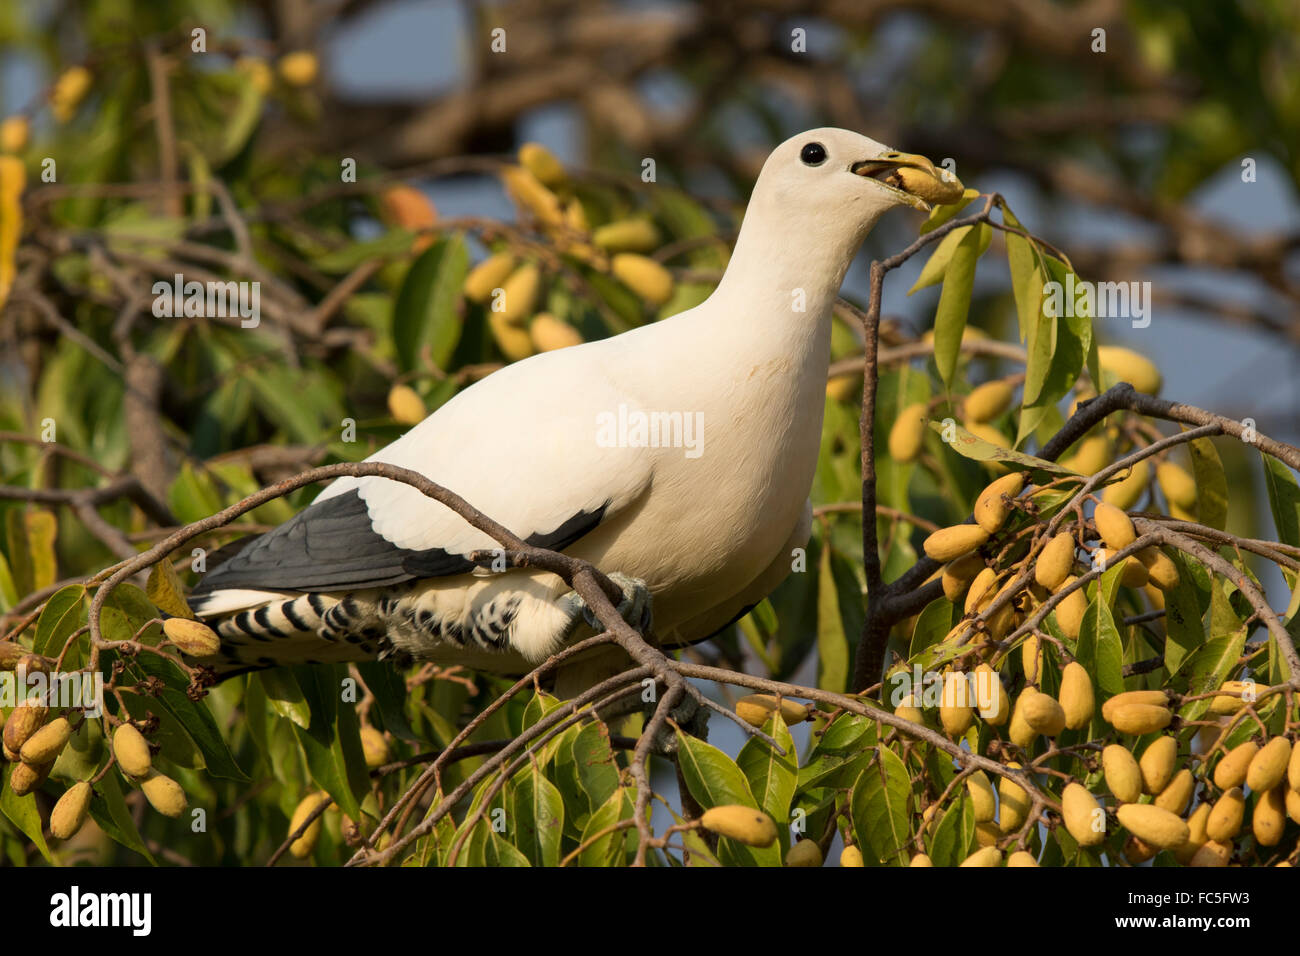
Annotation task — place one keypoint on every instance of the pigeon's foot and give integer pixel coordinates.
(634, 608)
(688, 714)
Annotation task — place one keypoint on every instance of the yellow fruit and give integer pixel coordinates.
(70, 812)
(1231, 700)
(258, 72)
(1083, 816)
(299, 68)
(407, 208)
(1231, 770)
(1076, 696)
(921, 859)
(528, 193)
(851, 856)
(1156, 698)
(549, 333)
(647, 278)
(1138, 851)
(1114, 526)
(302, 847)
(985, 856)
(1212, 853)
(1139, 719)
(755, 709)
(842, 388)
(24, 720)
(1293, 767)
(1129, 366)
(948, 544)
(575, 216)
(627, 235)
(1157, 764)
(1021, 858)
(1154, 826)
(1013, 803)
(931, 187)
(541, 162)
(1071, 609)
(1021, 732)
(908, 710)
(1160, 568)
(987, 401)
(1226, 816)
(68, 91)
(955, 711)
(988, 433)
(991, 509)
(907, 434)
(742, 824)
(1178, 486)
(1092, 456)
(192, 637)
(1124, 494)
(406, 407)
(981, 588)
(487, 276)
(519, 294)
(47, 743)
(804, 853)
(1132, 574)
(981, 796)
(1177, 793)
(374, 746)
(1196, 830)
(26, 778)
(1122, 773)
(132, 751)
(1055, 561)
(164, 794)
(987, 833)
(957, 575)
(1292, 798)
(1268, 767)
(1269, 819)
(1042, 713)
(1031, 658)
(13, 134)
(991, 697)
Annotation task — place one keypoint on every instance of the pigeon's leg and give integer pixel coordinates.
(634, 607)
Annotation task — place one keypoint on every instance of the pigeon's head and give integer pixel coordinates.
(841, 177)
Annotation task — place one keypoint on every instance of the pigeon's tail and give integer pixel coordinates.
(271, 629)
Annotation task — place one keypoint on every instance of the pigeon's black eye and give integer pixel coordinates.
(814, 154)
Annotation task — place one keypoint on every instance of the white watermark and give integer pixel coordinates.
(74, 908)
(193, 299)
(634, 428)
(1100, 300)
(978, 689)
(65, 690)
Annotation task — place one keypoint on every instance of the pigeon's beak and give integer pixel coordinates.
(913, 176)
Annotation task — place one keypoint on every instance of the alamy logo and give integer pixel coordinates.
(633, 428)
(235, 300)
(74, 908)
(1102, 300)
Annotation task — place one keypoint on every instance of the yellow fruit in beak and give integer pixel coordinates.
(914, 175)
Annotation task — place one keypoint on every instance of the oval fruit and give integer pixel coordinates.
(1124, 494)
(1070, 609)
(1179, 486)
(991, 697)
(374, 747)
(1161, 570)
(299, 68)
(1055, 561)
(1153, 697)
(986, 402)
(851, 856)
(1091, 457)
(647, 278)
(24, 720)
(981, 589)
(1076, 696)
(1043, 713)
(804, 853)
(488, 276)
(985, 856)
(529, 193)
(1139, 719)
(742, 824)
(1233, 699)
(70, 812)
(132, 751)
(302, 847)
(25, 778)
(47, 743)
(1231, 769)
(13, 134)
(1130, 366)
(1013, 803)
(519, 294)
(982, 800)
(626, 235)
(1157, 764)
(164, 794)
(550, 334)
(908, 710)
(948, 544)
(907, 434)
(1083, 815)
(1021, 858)
(1153, 826)
(930, 187)
(755, 709)
(1178, 793)
(1226, 816)
(1212, 853)
(955, 711)
(1114, 526)
(1269, 819)
(197, 639)
(957, 575)
(1293, 767)
(542, 163)
(1268, 767)
(991, 507)
(921, 859)
(1122, 773)
(1197, 838)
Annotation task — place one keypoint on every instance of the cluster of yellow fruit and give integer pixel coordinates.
(374, 746)
(542, 189)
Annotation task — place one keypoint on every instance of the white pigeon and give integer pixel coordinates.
(696, 513)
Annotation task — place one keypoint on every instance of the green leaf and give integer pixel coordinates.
(715, 780)
(332, 744)
(610, 849)
(538, 818)
(1184, 630)
(64, 612)
(393, 244)
(936, 267)
(1213, 663)
(879, 807)
(1211, 484)
(593, 760)
(954, 834)
(954, 303)
(832, 642)
(284, 695)
(165, 591)
(847, 732)
(22, 812)
(977, 449)
(942, 214)
(1283, 499)
(425, 314)
(1100, 650)
(389, 689)
(772, 778)
(110, 811)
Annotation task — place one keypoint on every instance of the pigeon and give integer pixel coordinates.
(677, 457)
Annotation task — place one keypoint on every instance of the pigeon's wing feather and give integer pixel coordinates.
(515, 447)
